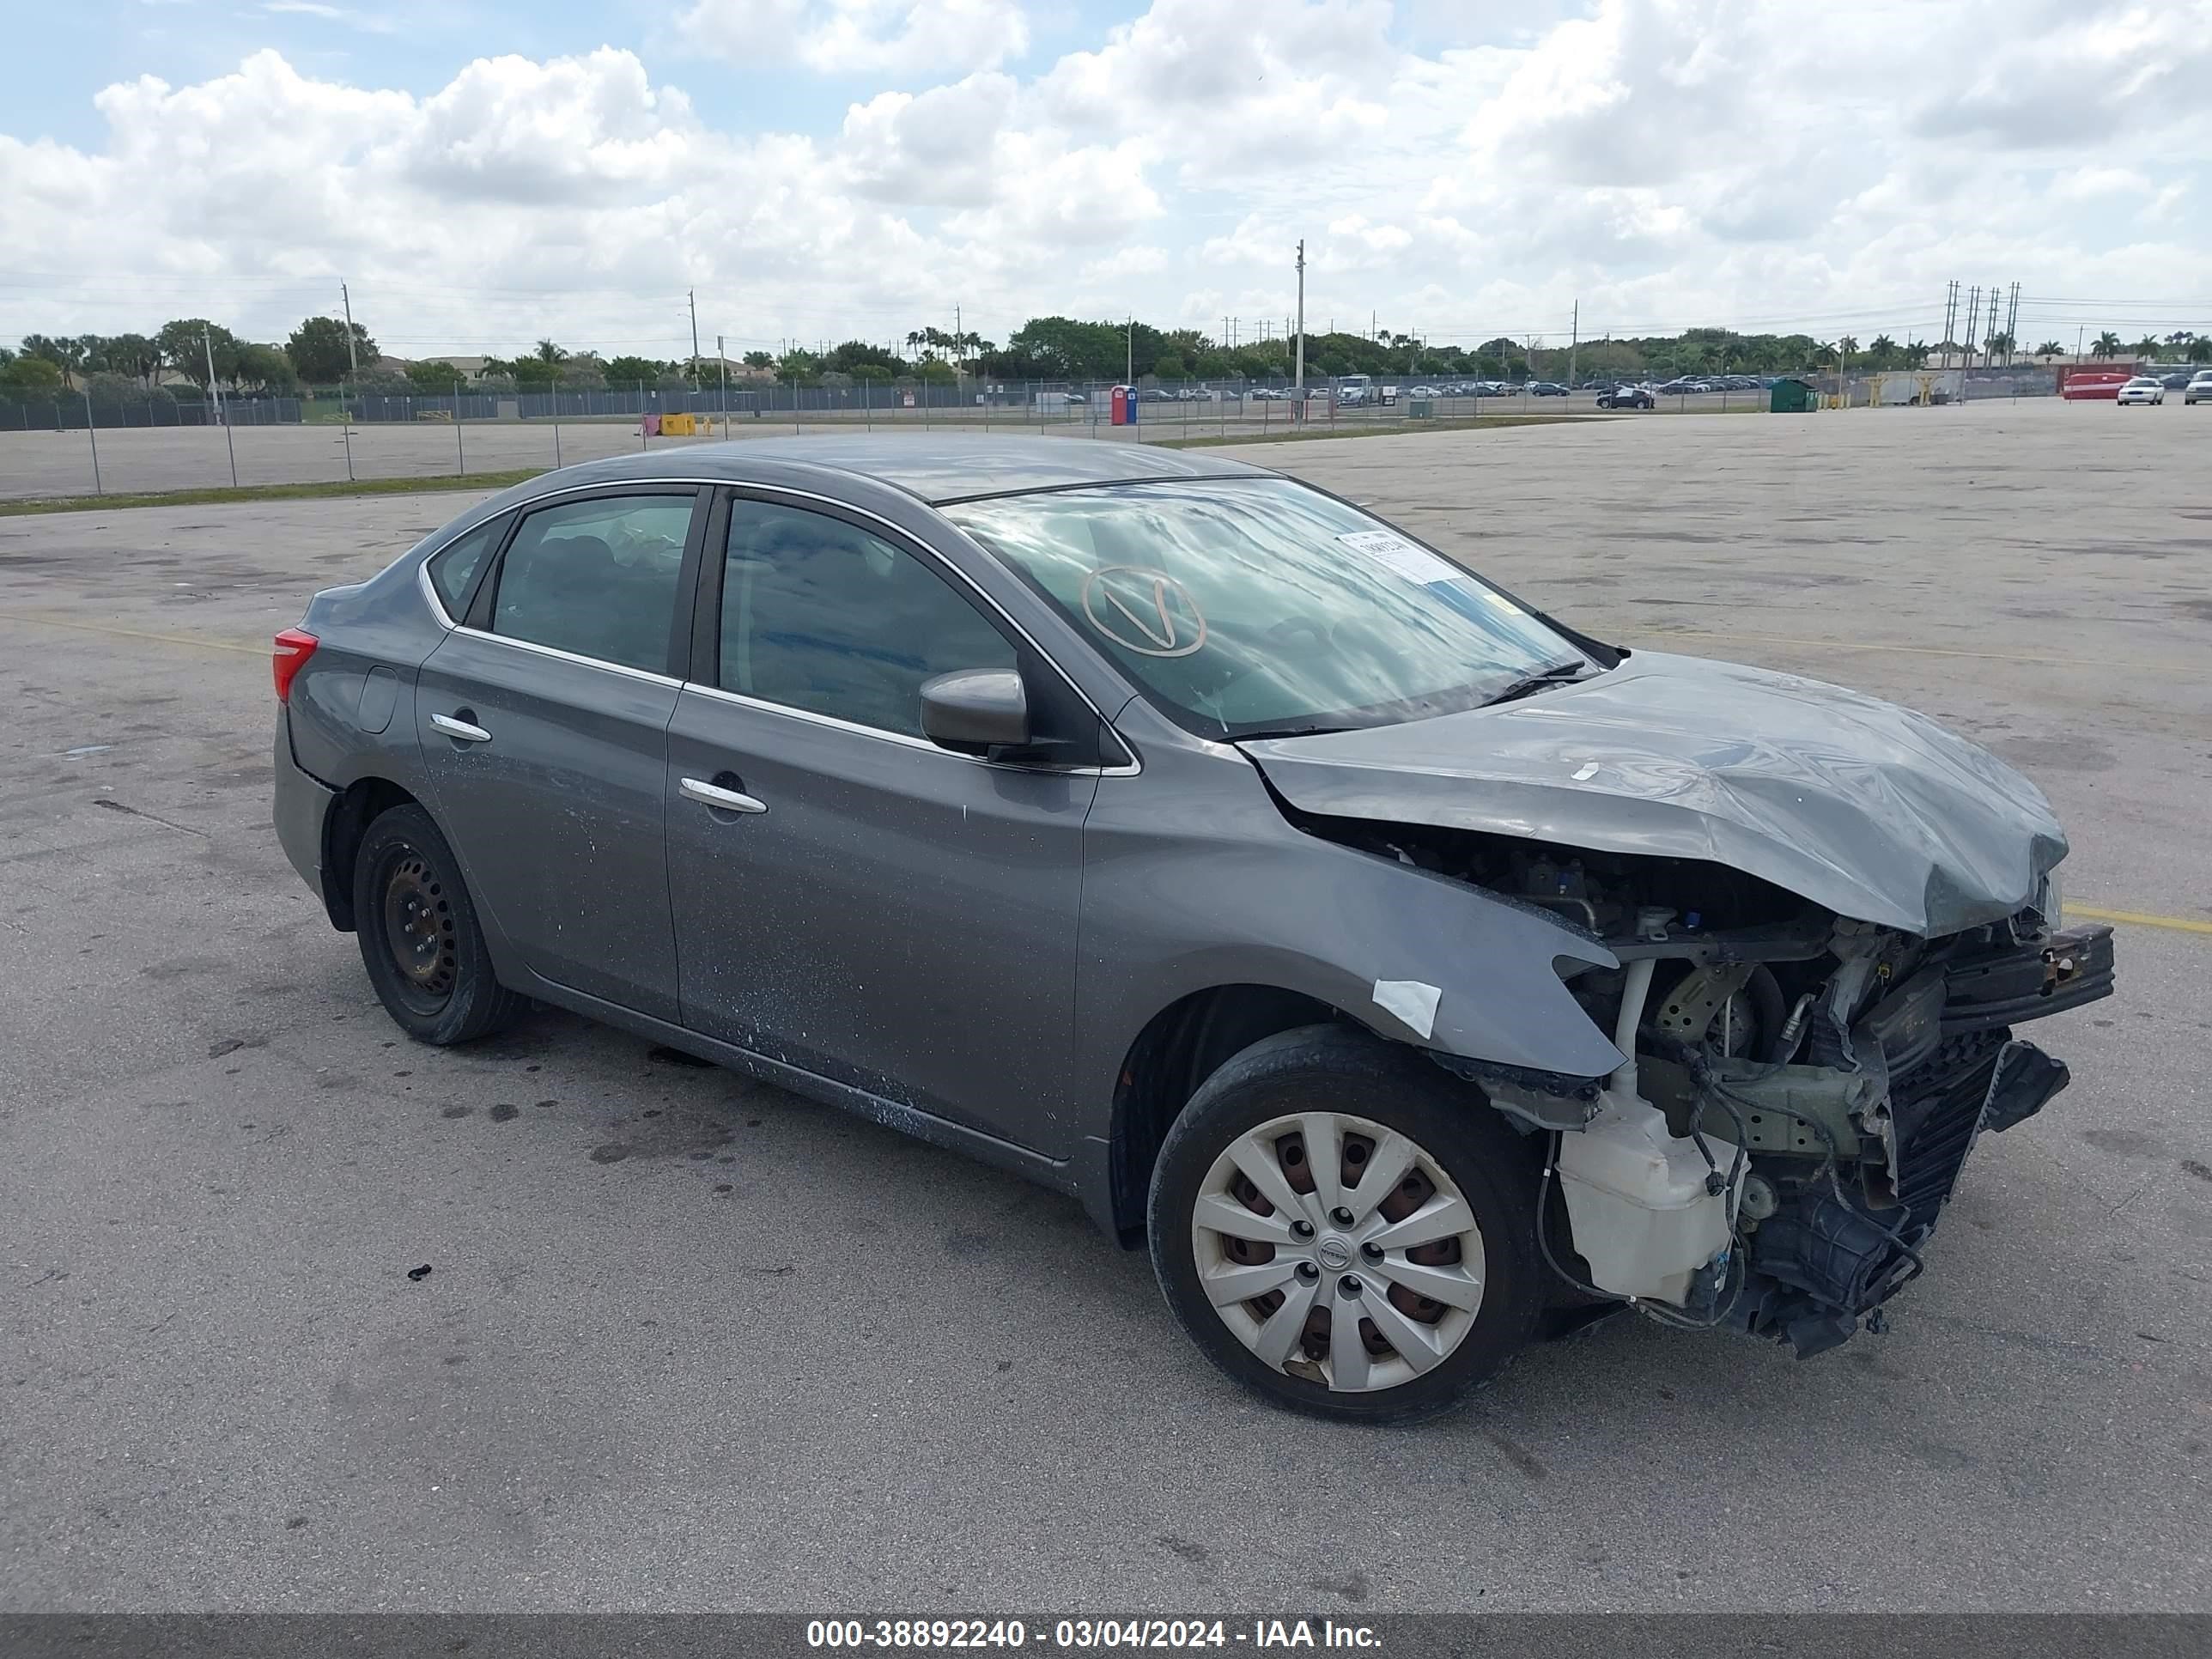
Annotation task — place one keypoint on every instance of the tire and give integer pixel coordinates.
(1356, 1087)
(437, 983)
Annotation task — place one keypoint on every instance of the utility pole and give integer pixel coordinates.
(1574, 341)
(1129, 360)
(230, 444)
(353, 356)
(1974, 321)
(1298, 379)
(2012, 326)
(724, 356)
(353, 352)
(693, 295)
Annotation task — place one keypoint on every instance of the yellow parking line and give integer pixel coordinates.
(134, 634)
(2140, 919)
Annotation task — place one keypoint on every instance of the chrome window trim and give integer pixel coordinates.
(556, 652)
(430, 590)
(904, 739)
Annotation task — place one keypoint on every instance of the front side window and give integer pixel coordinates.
(597, 577)
(819, 615)
(1251, 606)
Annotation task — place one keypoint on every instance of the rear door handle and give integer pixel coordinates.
(713, 795)
(460, 729)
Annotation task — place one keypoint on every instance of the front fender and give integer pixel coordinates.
(1193, 878)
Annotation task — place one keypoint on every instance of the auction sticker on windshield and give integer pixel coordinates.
(1401, 557)
(1415, 564)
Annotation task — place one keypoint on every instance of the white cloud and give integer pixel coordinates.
(1664, 162)
(902, 38)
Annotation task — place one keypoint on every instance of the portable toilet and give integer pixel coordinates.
(1125, 406)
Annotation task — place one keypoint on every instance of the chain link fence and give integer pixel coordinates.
(113, 436)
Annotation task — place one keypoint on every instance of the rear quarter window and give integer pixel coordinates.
(453, 568)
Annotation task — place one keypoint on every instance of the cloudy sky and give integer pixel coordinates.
(485, 172)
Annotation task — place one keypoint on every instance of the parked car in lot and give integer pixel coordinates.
(2177, 381)
(1627, 397)
(1546, 389)
(1408, 970)
(2143, 389)
(2199, 390)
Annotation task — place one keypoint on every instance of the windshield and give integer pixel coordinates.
(1251, 606)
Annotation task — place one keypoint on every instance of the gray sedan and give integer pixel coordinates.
(1414, 974)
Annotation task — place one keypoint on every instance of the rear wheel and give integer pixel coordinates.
(419, 938)
(1346, 1229)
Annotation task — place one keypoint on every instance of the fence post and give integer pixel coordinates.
(95, 436)
(461, 452)
(556, 444)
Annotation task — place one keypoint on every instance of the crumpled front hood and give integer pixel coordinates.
(1871, 810)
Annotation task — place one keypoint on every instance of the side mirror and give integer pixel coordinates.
(976, 709)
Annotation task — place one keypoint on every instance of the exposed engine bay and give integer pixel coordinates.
(1800, 1093)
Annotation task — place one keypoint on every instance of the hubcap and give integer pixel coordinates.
(1288, 1210)
(418, 925)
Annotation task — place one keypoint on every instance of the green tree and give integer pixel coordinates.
(1171, 367)
(853, 357)
(635, 371)
(547, 352)
(33, 373)
(260, 368)
(320, 351)
(2049, 349)
(186, 345)
(2200, 349)
(2149, 346)
(132, 354)
(434, 377)
(758, 360)
(64, 353)
(2106, 344)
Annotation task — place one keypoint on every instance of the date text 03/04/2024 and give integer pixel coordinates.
(1088, 1634)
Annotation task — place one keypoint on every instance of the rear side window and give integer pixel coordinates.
(817, 614)
(453, 567)
(598, 578)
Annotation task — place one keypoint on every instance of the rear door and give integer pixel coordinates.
(881, 911)
(544, 722)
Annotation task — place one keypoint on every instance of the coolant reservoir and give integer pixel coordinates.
(1637, 1197)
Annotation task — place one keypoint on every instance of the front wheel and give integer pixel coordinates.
(420, 942)
(1346, 1229)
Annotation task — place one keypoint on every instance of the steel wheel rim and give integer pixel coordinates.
(1282, 1267)
(418, 930)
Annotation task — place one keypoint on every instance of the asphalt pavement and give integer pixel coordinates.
(687, 1342)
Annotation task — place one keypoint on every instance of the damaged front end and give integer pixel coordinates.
(1800, 1093)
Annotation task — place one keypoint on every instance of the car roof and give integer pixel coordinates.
(932, 467)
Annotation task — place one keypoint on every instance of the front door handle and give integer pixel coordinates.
(726, 800)
(460, 729)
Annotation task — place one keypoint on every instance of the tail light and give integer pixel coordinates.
(293, 648)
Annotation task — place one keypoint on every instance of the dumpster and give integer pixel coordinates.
(1420, 409)
(1792, 397)
(679, 426)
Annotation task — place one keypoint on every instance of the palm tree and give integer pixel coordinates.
(2106, 344)
(2180, 336)
(2049, 349)
(1882, 351)
(1997, 345)
(1845, 348)
(547, 352)
(2200, 349)
(1916, 355)
(2148, 346)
